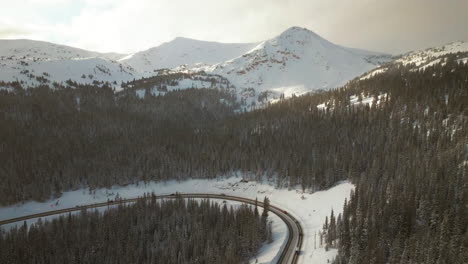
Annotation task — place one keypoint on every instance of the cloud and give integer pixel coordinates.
(47, 2)
(399, 25)
(132, 25)
(12, 32)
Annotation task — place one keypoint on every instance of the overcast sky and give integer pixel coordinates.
(126, 26)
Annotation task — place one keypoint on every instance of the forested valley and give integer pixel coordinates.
(406, 153)
(148, 231)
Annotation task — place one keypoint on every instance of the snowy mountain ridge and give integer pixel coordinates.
(295, 62)
(420, 60)
(423, 57)
(184, 51)
(41, 50)
(37, 62)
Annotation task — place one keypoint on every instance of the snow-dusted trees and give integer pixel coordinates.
(406, 152)
(410, 203)
(265, 226)
(173, 231)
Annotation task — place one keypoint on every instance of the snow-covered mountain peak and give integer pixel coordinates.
(187, 51)
(294, 62)
(185, 40)
(299, 34)
(294, 38)
(181, 42)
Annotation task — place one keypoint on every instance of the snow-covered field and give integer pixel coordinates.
(309, 208)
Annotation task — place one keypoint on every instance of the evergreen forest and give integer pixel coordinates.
(175, 231)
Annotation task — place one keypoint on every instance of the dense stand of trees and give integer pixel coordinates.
(411, 199)
(62, 139)
(149, 231)
(166, 78)
(407, 154)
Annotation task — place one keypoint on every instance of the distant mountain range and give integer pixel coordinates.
(295, 62)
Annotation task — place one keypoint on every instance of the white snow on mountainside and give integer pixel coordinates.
(420, 60)
(184, 51)
(37, 62)
(295, 62)
(41, 50)
(424, 57)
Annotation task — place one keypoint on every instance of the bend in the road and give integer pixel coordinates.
(289, 254)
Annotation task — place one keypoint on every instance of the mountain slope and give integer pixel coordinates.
(420, 184)
(41, 50)
(425, 57)
(295, 62)
(182, 51)
(420, 60)
(168, 81)
(37, 62)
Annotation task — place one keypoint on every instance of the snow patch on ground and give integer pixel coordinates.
(309, 208)
(323, 256)
(354, 100)
(464, 60)
(373, 73)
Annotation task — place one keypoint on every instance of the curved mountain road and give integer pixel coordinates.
(289, 254)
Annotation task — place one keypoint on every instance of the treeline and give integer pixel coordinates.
(149, 231)
(410, 204)
(166, 77)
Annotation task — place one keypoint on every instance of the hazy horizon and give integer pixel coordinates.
(127, 26)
